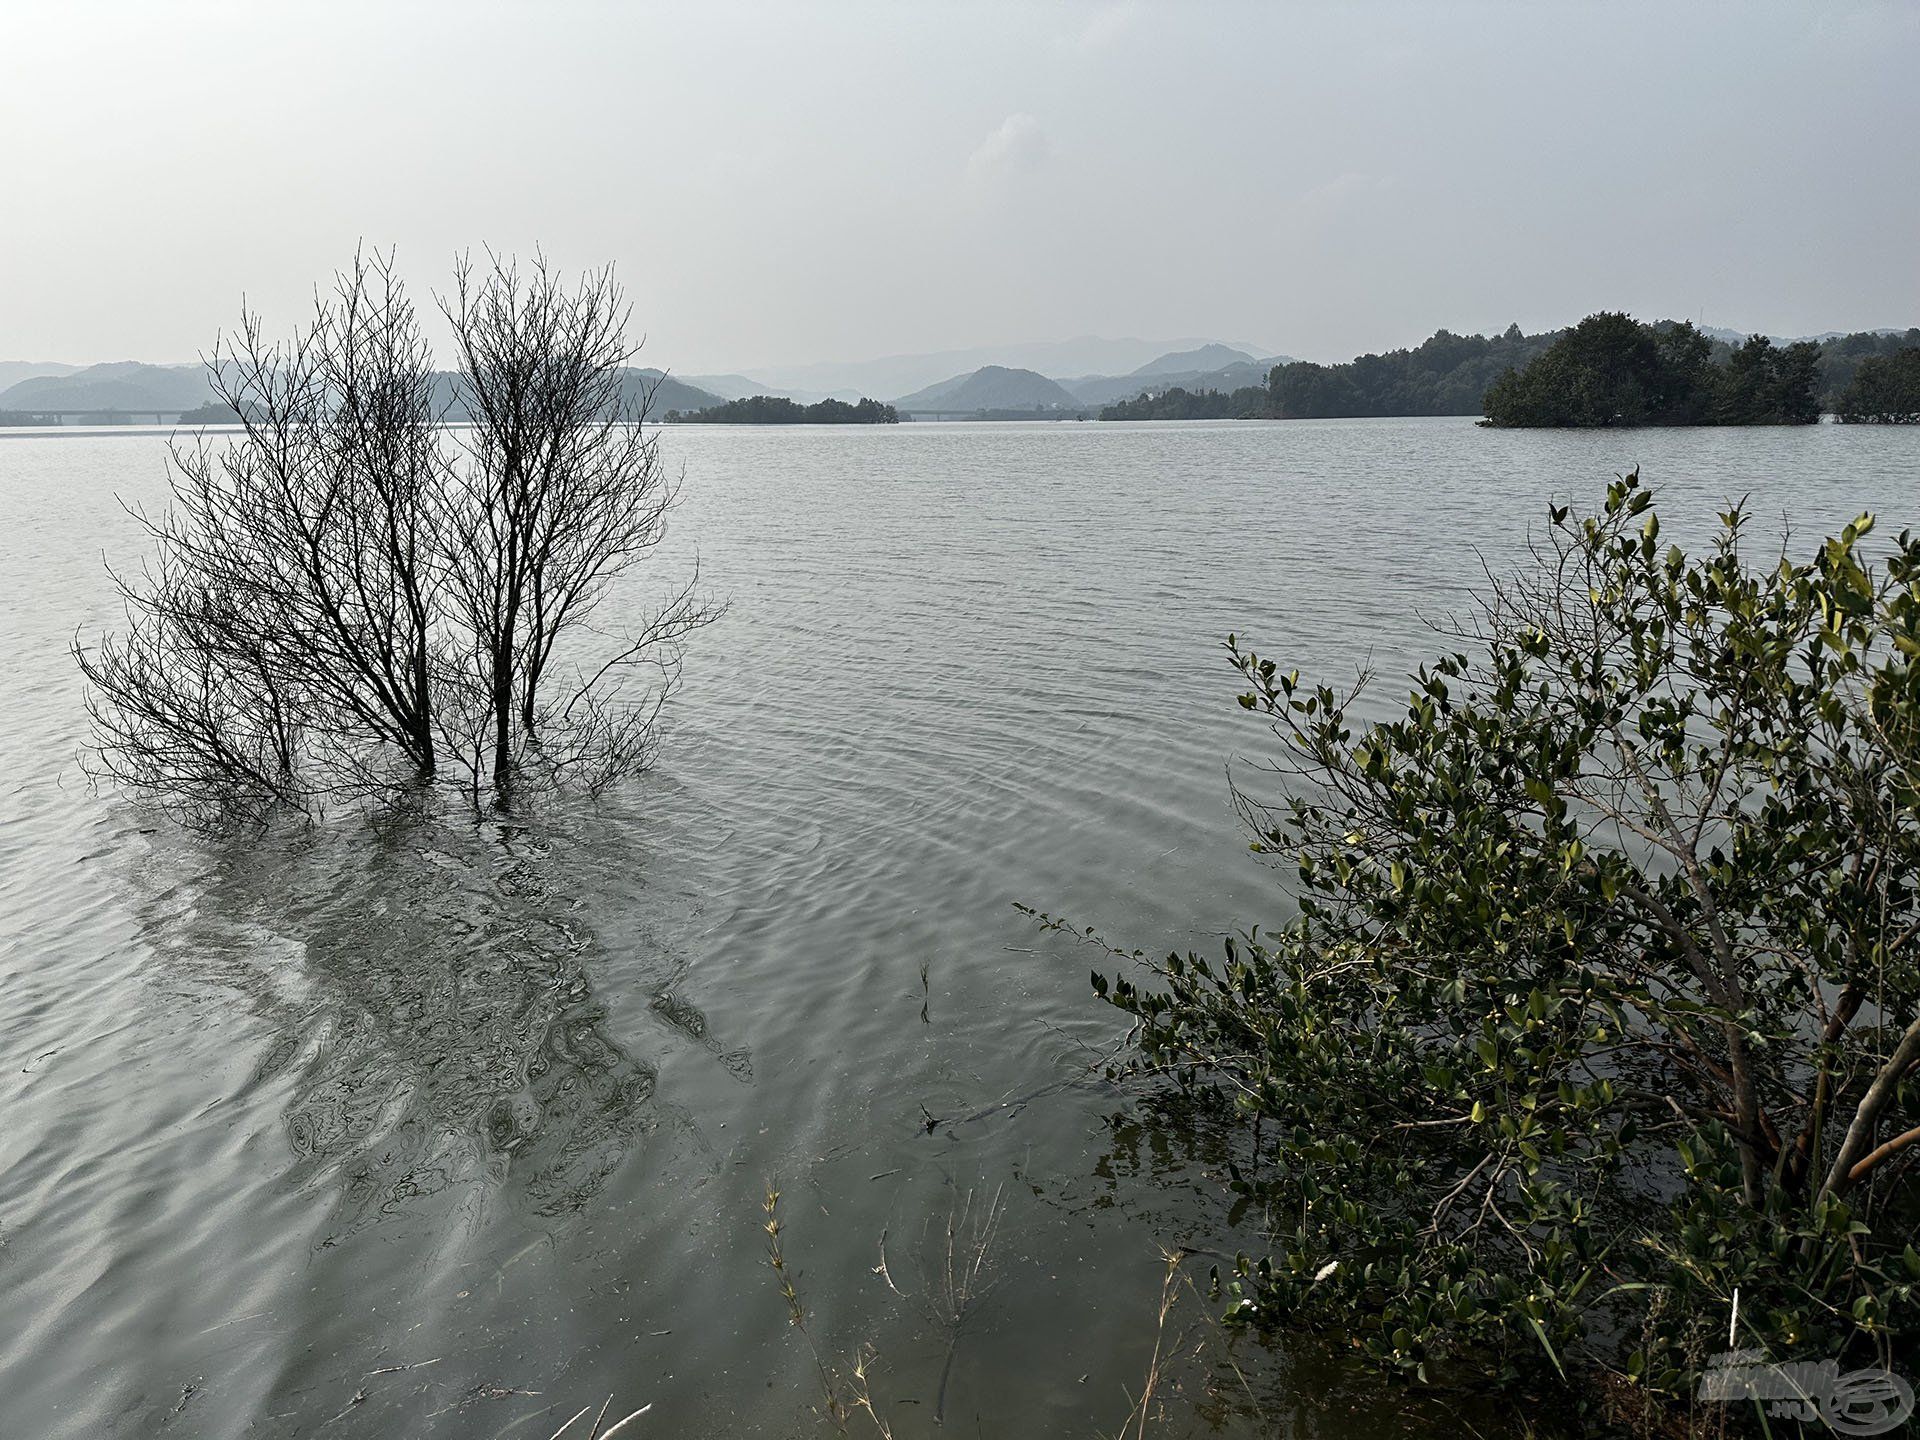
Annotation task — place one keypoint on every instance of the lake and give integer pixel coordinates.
(452, 1129)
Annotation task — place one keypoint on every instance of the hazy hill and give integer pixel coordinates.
(900, 374)
(745, 387)
(121, 385)
(1195, 362)
(1740, 337)
(992, 387)
(131, 387)
(669, 393)
(736, 387)
(673, 393)
(12, 372)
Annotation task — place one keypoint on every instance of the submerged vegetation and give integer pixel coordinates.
(955, 1280)
(348, 599)
(778, 410)
(1597, 1038)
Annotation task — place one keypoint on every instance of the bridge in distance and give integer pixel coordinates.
(93, 417)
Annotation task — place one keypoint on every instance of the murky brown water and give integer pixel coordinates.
(500, 1103)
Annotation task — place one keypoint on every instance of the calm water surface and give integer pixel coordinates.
(499, 1103)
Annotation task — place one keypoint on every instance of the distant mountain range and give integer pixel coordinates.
(122, 385)
(662, 391)
(134, 388)
(131, 388)
(672, 393)
(742, 387)
(1740, 337)
(1195, 362)
(1003, 388)
(12, 372)
(1055, 376)
(904, 374)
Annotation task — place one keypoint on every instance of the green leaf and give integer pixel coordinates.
(1546, 1345)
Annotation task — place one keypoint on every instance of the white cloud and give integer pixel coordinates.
(1018, 145)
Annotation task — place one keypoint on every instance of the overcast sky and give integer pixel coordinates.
(784, 183)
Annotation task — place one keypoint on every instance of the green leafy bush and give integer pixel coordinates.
(1603, 1001)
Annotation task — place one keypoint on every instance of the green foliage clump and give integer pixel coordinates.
(1766, 384)
(1603, 1002)
(1612, 370)
(1446, 374)
(778, 410)
(1885, 389)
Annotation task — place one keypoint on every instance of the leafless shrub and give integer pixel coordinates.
(351, 597)
(961, 1278)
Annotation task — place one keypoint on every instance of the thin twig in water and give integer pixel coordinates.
(414, 1365)
(596, 1433)
(1143, 1407)
(620, 1425)
(859, 1391)
(881, 1269)
(959, 1288)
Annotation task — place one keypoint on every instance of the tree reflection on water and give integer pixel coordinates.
(433, 1021)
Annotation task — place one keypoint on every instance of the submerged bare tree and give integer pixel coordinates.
(560, 492)
(349, 597)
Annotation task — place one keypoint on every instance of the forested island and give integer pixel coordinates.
(778, 410)
(1607, 370)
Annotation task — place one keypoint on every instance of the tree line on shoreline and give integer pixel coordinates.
(1612, 370)
(778, 410)
(1607, 370)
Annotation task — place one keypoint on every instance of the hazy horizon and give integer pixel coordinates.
(783, 188)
